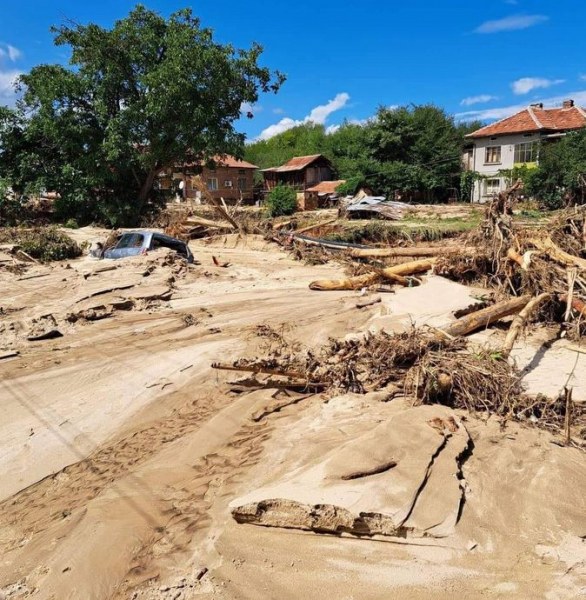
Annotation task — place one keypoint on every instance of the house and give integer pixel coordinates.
(300, 173)
(228, 178)
(322, 195)
(514, 141)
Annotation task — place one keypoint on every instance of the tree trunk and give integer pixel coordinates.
(146, 188)
(556, 253)
(360, 281)
(520, 320)
(485, 317)
(411, 252)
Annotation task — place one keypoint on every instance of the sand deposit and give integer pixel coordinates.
(132, 469)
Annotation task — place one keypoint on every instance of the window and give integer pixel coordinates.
(493, 155)
(212, 184)
(493, 186)
(131, 240)
(242, 183)
(241, 171)
(228, 183)
(525, 152)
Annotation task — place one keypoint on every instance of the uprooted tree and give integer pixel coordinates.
(136, 99)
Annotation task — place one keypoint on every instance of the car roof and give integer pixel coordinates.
(150, 233)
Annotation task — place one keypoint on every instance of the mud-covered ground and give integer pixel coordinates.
(131, 469)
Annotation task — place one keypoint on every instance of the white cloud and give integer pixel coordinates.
(247, 107)
(278, 111)
(502, 112)
(7, 81)
(512, 23)
(526, 84)
(282, 125)
(332, 129)
(582, 77)
(318, 115)
(10, 52)
(480, 99)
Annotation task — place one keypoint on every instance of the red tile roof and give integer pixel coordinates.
(297, 163)
(326, 187)
(535, 119)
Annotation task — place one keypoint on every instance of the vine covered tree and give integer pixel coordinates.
(134, 100)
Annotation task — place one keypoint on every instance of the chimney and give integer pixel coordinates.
(568, 103)
(537, 105)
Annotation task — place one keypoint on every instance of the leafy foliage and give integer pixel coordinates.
(43, 243)
(560, 178)
(413, 150)
(135, 100)
(282, 200)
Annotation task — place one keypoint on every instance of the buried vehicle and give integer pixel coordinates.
(133, 243)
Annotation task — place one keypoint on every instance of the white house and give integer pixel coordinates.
(514, 141)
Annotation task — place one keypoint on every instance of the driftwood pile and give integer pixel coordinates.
(429, 366)
(535, 275)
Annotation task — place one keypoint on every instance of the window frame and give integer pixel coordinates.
(493, 189)
(210, 185)
(527, 149)
(488, 154)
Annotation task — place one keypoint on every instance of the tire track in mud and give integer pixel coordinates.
(52, 499)
(189, 509)
(185, 506)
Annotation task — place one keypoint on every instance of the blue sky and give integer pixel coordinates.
(477, 59)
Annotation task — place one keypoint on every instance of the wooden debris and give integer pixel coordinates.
(413, 252)
(366, 303)
(485, 317)
(220, 264)
(316, 226)
(520, 320)
(547, 246)
(5, 355)
(360, 281)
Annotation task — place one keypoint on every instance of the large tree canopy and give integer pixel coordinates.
(135, 100)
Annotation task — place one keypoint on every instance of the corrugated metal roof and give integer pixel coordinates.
(534, 119)
(326, 187)
(297, 163)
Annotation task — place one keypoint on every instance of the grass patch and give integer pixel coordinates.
(377, 232)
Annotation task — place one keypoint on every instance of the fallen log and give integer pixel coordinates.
(395, 273)
(556, 253)
(316, 226)
(411, 252)
(485, 317)
(256, 368)
(200, 221)
(520, 320)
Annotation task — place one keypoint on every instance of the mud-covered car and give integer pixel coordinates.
(133, 243)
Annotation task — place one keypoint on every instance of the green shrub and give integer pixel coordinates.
(71, 224)
(43, 243)
(281, 200)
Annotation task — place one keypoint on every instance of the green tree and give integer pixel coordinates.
(136, 99)
(281, 200)
(560, 177)
(419, 150)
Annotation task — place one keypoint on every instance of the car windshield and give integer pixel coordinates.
(131, 240)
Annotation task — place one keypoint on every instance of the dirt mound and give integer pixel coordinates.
(374, 484)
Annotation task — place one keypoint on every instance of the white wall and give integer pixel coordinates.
(507, 144)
